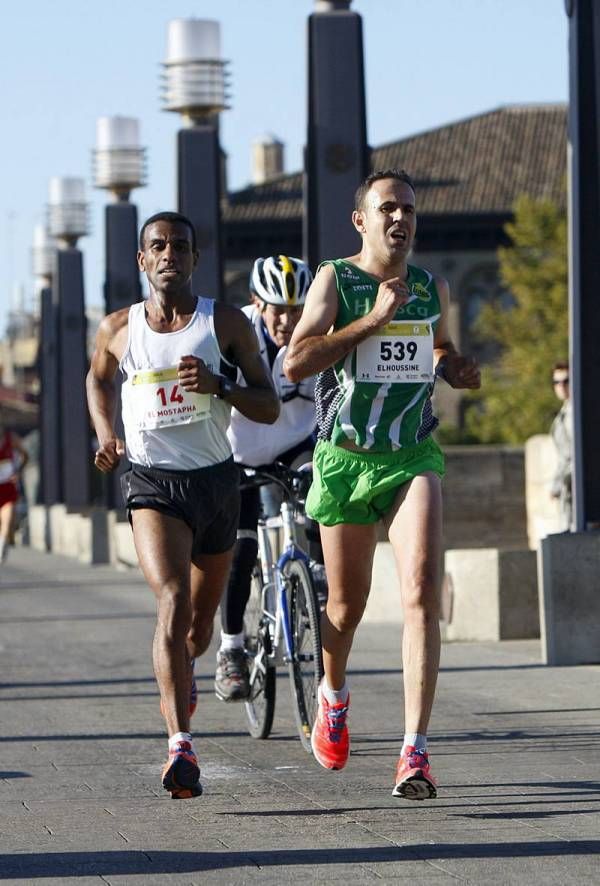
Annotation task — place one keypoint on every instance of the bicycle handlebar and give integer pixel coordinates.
(288, 479)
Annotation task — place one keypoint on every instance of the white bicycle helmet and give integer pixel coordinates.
(279, 280)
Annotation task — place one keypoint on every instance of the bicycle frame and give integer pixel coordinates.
(273, 578)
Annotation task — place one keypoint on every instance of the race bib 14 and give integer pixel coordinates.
(158, 400)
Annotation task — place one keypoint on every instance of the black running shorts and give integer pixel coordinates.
(207, 499)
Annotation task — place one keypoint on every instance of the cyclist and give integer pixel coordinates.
(278, 287)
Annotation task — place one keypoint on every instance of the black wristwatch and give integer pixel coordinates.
(226, 388)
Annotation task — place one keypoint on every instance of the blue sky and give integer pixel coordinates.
(65, 63)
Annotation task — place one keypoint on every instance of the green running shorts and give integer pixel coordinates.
(360, 487)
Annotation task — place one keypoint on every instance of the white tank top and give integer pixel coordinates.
(255, 444)
(150, 356)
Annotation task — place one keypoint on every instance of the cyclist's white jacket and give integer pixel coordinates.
(256, 444)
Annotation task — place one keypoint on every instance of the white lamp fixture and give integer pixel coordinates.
(332, 5)
(194, 80)
(67, 210)
(42, 253)
(118, 159)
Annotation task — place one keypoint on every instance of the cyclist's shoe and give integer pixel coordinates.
(414, 780)
(232, 677)
(330, 739)
(181, 773)
(193, 698)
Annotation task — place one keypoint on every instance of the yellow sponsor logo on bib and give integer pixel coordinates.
(154, 376)
(403, 328)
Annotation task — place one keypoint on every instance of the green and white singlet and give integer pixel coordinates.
(380, 415)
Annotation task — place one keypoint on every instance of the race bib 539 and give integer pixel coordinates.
(399, 352)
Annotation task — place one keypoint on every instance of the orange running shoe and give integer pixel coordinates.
(330, 739)
(193, 698)
(181, 773)
(414, 780)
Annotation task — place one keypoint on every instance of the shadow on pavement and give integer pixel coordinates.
(61, 864)
(120, 616)
(448, 669)
(114, 736)
(45, 584)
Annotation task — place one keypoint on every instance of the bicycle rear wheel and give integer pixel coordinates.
(306, 666)
(260, 706)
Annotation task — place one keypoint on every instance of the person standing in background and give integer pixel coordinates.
(561, 432)
(13, 458)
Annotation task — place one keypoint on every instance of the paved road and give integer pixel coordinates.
(515, 746)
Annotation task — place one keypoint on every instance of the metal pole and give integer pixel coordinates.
(50, 401)
(121, 289)
(199, 197)
(584, 268)
(73, 365)
(337, 156)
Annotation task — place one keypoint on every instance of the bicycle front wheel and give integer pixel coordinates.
(306, 666)
(260, 706)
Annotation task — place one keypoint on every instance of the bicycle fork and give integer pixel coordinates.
(274, 579)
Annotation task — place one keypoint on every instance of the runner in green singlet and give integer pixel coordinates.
(376, 330)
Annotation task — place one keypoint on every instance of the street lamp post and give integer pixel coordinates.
(584, 276)
(337, 156)
(119, 166)
(568, 562)
(67, 221)
(194, 84)
(43, 255)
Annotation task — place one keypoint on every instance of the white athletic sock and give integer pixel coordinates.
(179, 736)
(416, 740)
(2, 549)
(231, 641)
(335, 696)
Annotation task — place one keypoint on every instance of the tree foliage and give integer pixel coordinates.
(516, 398)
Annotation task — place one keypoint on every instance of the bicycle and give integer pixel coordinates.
(282, 618)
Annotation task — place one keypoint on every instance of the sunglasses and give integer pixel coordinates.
(560, 381)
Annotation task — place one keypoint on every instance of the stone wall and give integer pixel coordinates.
(484, 497)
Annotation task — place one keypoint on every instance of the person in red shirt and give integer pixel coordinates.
(13, 458)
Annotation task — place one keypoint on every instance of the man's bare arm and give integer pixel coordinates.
(101, 393)
(314, 347)
(258, 401)
(458, 371)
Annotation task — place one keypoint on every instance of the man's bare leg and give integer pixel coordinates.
(208, 578)
(7, 512)
(164, 547)
(415, 531)
(348, 550)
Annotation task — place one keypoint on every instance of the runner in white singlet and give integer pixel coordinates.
(179, 356)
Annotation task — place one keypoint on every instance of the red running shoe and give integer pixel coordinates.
(181, 773)
(330, 739)
(414, 780)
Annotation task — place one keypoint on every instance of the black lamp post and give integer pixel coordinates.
(43, 255)
(337, 156)
(195, 86)
(119, 167)
(67, 222)
(584, 267)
